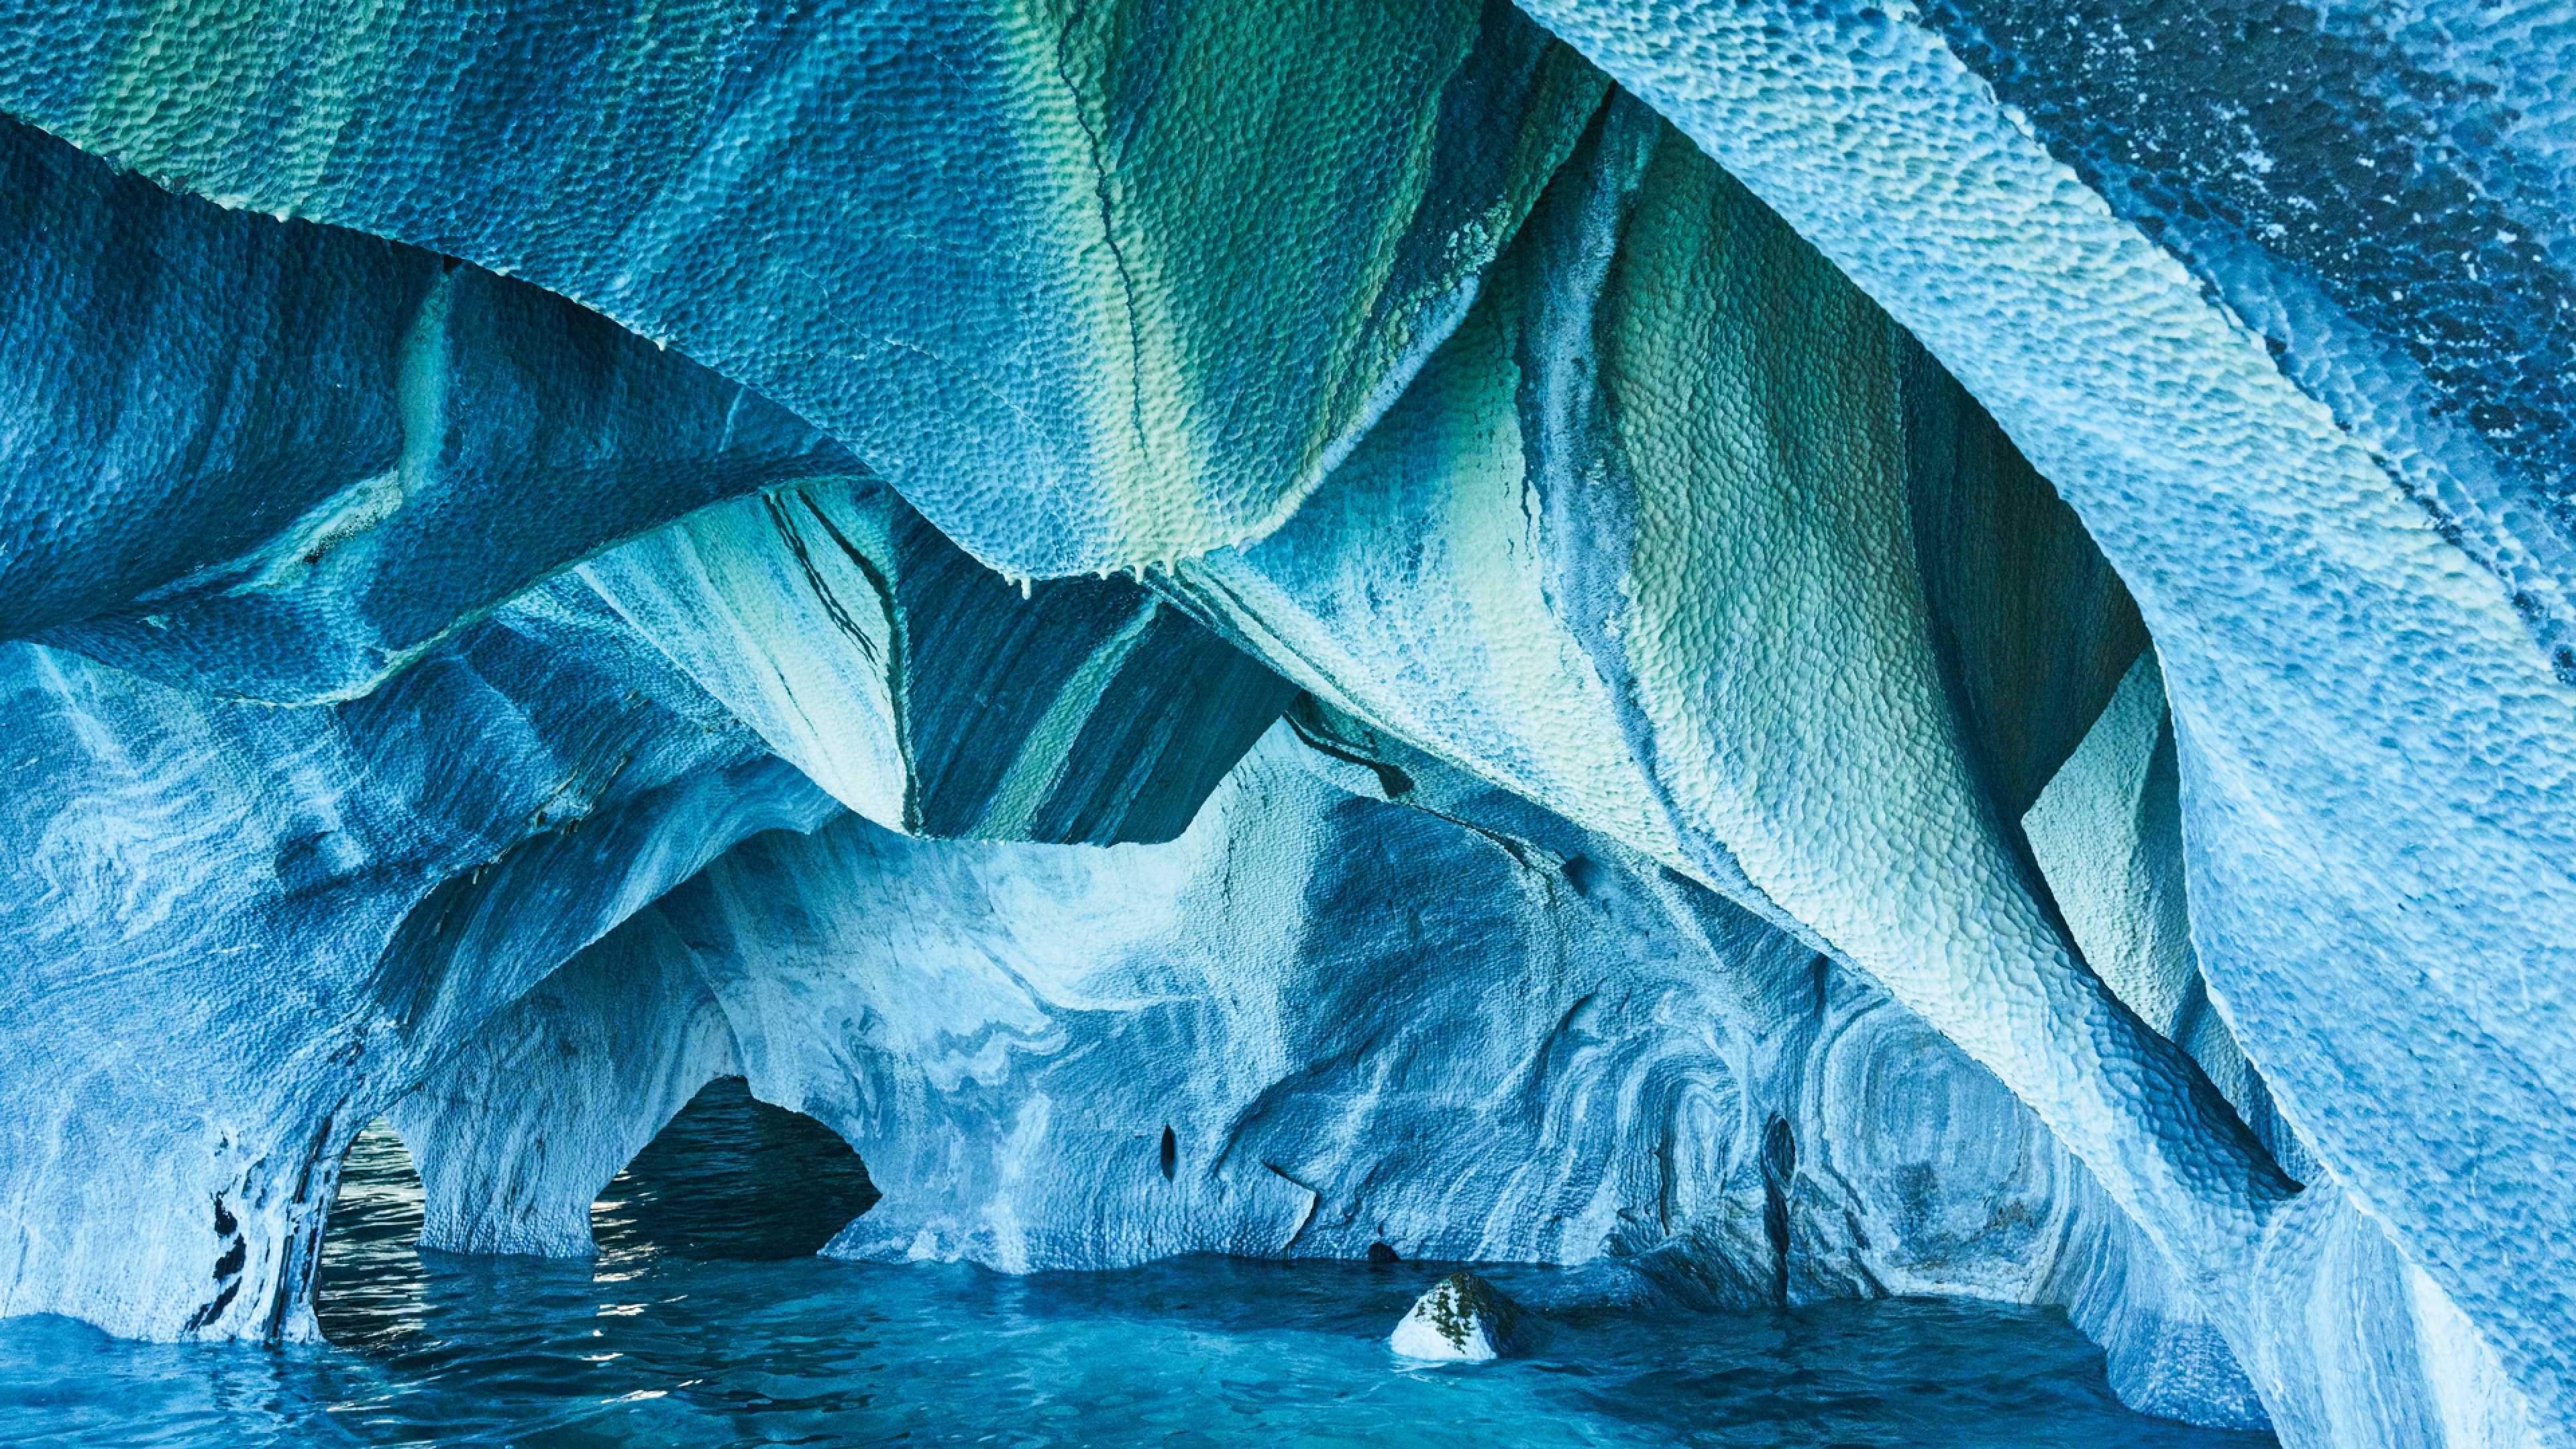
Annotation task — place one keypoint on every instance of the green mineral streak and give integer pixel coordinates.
(1378, 327)
(246, 101)
(422, 384)
(1772, 586)
(191, 80)
(270, 105)
(1245, 200)
(1469, 400)
(1048, 751)
(1234, 169)
(1058, 55)
(314, 541)
(1785, 658)
(1551, 734)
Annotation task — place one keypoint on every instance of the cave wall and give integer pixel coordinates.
(1762, 437)
(2344, 558)
(292, 785)
(234, 931)
(1318, 1021)
(1145, 261)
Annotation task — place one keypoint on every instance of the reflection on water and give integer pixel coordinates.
(662, 1341)
(728, 1178)
(732, 1178)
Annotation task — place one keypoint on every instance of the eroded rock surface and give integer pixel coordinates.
(1923, 650)
(1319, 1021)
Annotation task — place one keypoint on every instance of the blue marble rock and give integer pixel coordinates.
(282, 461)
(1785, 650)
(235, 931)
(1100, 285)
(1318, 1021)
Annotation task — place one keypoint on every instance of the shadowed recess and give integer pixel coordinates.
(733, 1178)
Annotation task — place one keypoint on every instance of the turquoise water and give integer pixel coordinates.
(689, 1329)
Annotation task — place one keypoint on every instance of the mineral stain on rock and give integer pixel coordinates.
(1463, 1319)
(1808, 650)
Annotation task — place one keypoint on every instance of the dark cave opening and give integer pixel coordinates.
(370, 1285)
(733, 1177)
(728, 1178)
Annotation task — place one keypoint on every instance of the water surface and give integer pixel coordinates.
(689, 1329)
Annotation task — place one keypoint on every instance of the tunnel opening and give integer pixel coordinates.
(733, 1177)
(370, 1286)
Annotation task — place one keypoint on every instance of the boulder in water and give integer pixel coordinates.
(1463, 1318)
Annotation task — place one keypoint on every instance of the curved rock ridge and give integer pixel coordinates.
(282, 461)
(1096, 285)
(924, 691)
(2353, 614)
(1640, 543)
(1317, 1021)
(2383, 197)
(314, 907)
(461, 804)
(235, 539)
(2107, 835)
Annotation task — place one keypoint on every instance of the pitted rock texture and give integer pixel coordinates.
(2358, 689)
(1101, 285)
(2019, 541)
(1615, 552)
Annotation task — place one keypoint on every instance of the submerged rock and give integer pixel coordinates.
(1463, 1319)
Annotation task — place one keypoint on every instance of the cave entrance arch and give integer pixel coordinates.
(733, 1177)
(370, 1286)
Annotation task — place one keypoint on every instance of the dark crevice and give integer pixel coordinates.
(785, 526)
(1779, 1170)
(209, 1312)
(897, 683)
(1392, 781)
